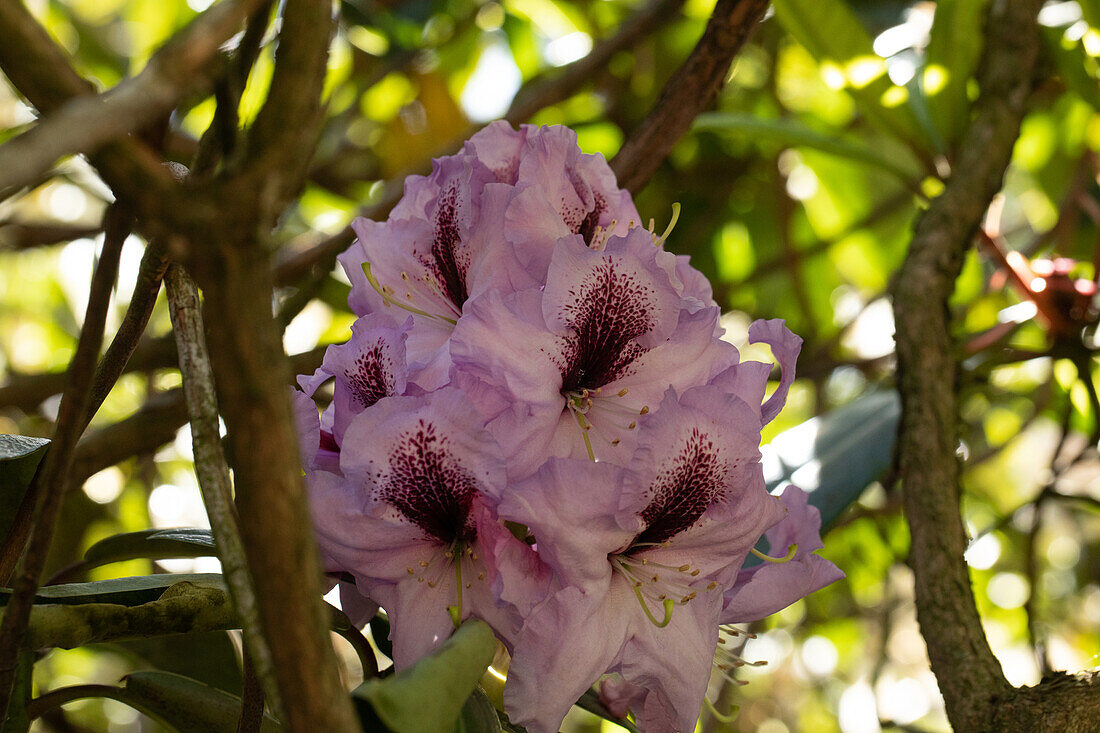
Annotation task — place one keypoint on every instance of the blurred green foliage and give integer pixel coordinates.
(799, 192)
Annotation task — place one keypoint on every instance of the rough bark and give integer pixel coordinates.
(692, 89)
(976, 694)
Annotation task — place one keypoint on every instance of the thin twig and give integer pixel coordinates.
(152, 426)
(19, 235)
(211, 467)
(252, 698)
(52, 479)
(86, 123)
(692, 89)
(552, 88)
(150, 273)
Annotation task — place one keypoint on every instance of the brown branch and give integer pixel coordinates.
(28, 391)
(231, 263)
(34, 63)
(693, 88)
(552, 88)
(41, 71)
(971, 681)
(18, 235)
(86, 123)
(52, 478)
(213, 471)
(150, 273)
(151, 427)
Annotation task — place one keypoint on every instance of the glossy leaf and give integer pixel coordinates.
(832, 33)
(123, 591)
(835, 457)
(16, 720)
(154, 544)
(208, 657)
(186, 705)
(19, 459)
(478, 715)
(1071, 61)
(954, 46)
(430, 695)
(793, 133)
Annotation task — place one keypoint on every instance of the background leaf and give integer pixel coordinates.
(123, 591)
(208, 657)
(793, 133)
(154, 544)
(478, 715)
(834, 457)
(954, 45)
(19, 459)
(186, 705)
(832, 33)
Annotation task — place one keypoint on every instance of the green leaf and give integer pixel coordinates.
(380, 632)
(1072, 63)
(186, 705)
(1090, 9)
(478, 715)
(16, 720)
(123, 591)
(19, 459)
(430, 695)
(207, 656)
(154, 544)
(590, 701)
(833, 35)
(834, 457)
(793, 133)
(954, 47)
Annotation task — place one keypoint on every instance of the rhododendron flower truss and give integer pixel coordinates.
(567, 370)
(644, 557)
(411, 517)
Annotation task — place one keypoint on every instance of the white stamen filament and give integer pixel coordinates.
(602, 414)
(659, 582)
(388, 297)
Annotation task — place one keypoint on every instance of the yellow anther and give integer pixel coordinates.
(622, 392)
(644, 410)
(684, 568)
(411, 571)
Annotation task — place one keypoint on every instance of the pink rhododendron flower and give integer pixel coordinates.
(644, 555)
(767, 588)
(586, 354)
(409, 517)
